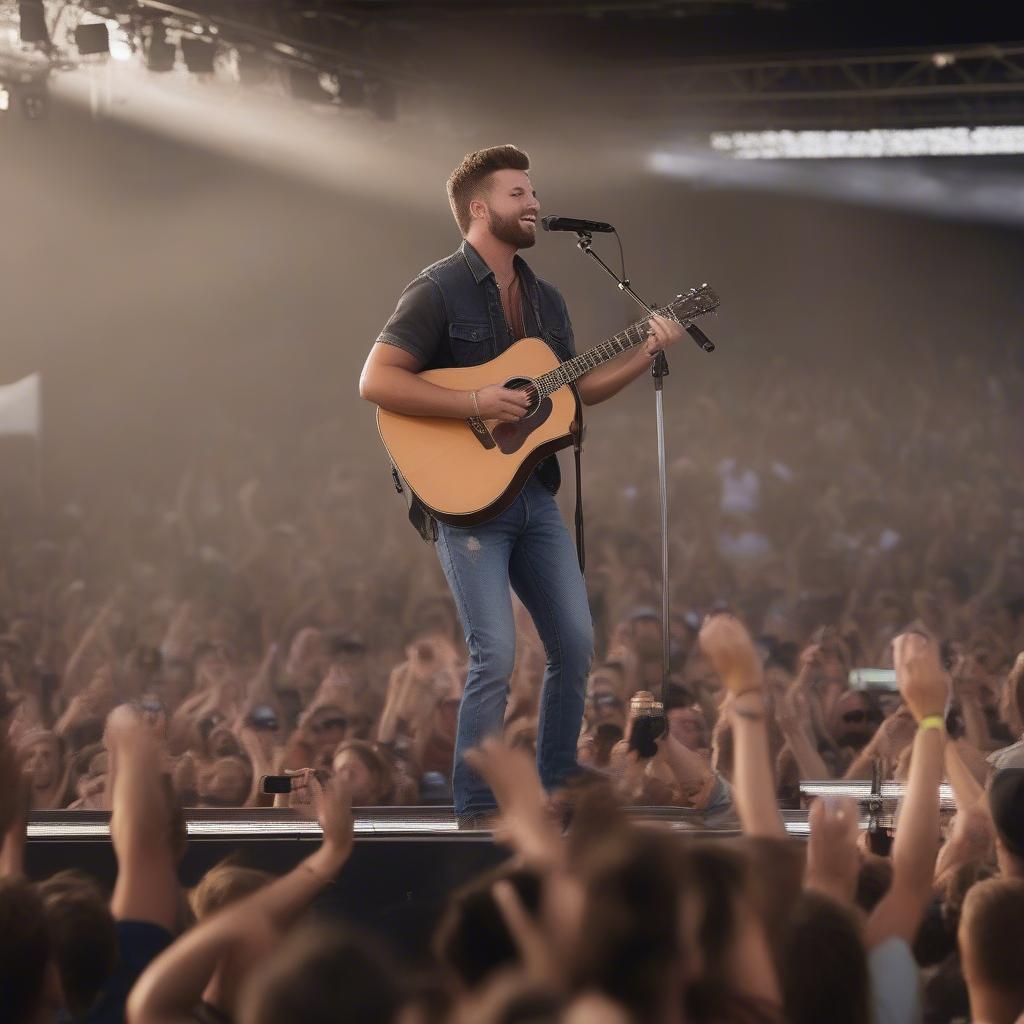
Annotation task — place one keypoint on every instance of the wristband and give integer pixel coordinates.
(751, 689)
(749, 713)
(753, 716)
(932, 722)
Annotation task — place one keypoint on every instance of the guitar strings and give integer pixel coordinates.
(571, 369)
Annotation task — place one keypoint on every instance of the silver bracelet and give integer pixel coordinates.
(476, 404)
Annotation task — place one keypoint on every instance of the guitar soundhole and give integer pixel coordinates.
(529, 388)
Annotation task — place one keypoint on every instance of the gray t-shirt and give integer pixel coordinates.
(418, 323)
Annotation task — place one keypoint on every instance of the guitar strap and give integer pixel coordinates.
(577, 451)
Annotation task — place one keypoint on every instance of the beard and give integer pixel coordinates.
(510, 231)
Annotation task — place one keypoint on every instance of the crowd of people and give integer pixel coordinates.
(274, 623)
(166, 650)
(609, 921)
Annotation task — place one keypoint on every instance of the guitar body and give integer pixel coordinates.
(466, 476)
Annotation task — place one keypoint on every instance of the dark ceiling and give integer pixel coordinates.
(736, 63)
(630, 31)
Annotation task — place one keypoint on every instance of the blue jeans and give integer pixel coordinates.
(527, 548)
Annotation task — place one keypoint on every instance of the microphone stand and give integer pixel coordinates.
(659, 371)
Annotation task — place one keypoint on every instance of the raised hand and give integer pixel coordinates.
(727, 645)
(512, 776)
(923, 682)
(832, 858)
(332, 803)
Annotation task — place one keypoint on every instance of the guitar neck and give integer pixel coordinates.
(573, 369)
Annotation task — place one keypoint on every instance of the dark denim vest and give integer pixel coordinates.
(477, 331)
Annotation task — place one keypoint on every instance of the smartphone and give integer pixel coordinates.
(276, 784)
(879, 679)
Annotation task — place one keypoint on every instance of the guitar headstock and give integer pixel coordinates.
(694, 303)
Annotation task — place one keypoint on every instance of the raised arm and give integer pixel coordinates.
(141, 823)
(925, 689)
(610, 378)
(174, 983)
(792, 712)
(730, 650)
(14, 799)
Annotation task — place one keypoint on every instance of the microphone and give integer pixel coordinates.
(701, 338)
(572, 224)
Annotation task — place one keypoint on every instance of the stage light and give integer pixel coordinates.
(871, 144)
(92, 39)
(161, 53)
(122, 46)
(5, 100)
(198, 54)
(33, 22)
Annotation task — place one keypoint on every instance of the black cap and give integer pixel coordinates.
(1006, 799)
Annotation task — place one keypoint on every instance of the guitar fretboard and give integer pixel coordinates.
(573, 369)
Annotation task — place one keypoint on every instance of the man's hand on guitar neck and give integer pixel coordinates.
(661, 332)
(496, 402)
(610, 378)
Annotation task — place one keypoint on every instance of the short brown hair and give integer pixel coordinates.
(83, 934)
(225, 884)
(24, 950)
(992, 935)
(323, 973)
(467, 180)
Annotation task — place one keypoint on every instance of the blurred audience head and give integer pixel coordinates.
(825, 973)
(1006, 800)
(322, 974)
(223, 885)
(30, 989)
(82, 934)
(991, 939)
(472, 941)
(367, 773)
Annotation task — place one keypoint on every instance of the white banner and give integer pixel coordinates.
(20, 411)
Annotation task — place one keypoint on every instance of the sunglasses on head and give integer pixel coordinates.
(858, 717)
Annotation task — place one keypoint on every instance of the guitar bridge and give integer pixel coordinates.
(480, 431)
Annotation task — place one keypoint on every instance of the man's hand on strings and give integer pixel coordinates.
(506, 405)
(661, 332)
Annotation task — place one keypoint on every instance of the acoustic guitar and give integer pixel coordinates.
(468, 471)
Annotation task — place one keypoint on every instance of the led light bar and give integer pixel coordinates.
(265, 826)
(861, 790)
(802, 827)
(995, 140)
